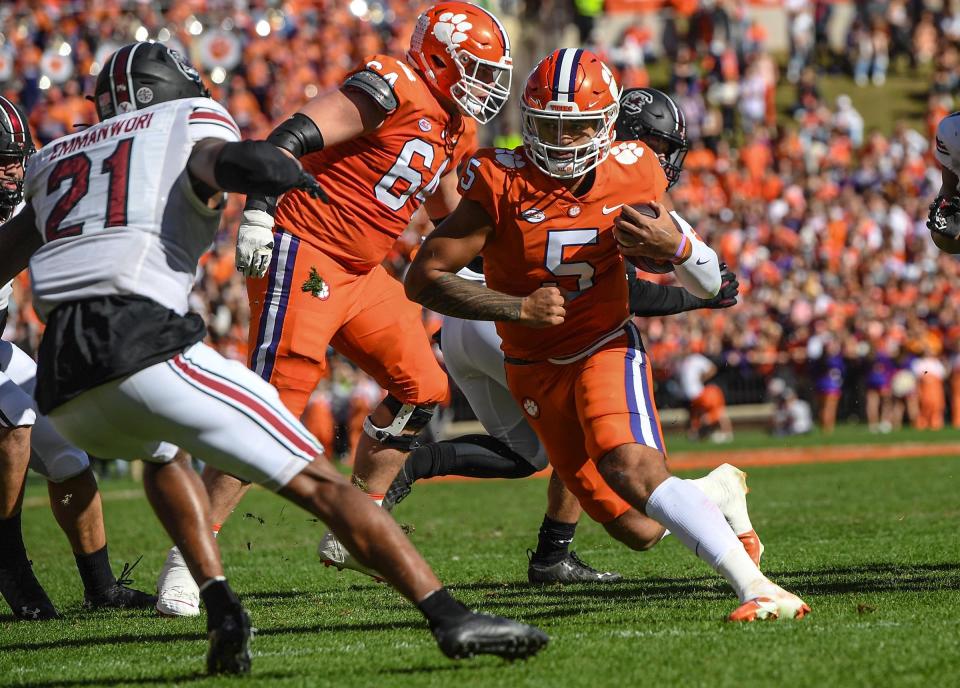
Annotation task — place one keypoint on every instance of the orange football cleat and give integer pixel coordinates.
(751, 543)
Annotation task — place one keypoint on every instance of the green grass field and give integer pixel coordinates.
(871, 546)
(844, 435)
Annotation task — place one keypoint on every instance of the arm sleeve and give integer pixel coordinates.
(700, 273)
(210, 120)
(649, 299)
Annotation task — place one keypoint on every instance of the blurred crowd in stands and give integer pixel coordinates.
(845, 304)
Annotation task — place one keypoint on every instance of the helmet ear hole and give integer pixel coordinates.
(437, 62)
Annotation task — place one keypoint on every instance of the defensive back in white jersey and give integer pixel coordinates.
(116, 208)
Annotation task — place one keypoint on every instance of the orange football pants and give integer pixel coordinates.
(308, 301)
(583, 410)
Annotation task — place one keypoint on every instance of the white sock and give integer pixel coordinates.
(690, 515)
(716, 491)
(742, 574)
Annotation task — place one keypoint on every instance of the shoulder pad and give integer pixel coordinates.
(374, 85)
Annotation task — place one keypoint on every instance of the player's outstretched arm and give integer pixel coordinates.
(649, 299)
(432, 281)
(249, 167)
(19, 239)
(357, 108)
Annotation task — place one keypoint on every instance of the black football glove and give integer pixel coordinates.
(729, 289)
(942, 216)
(308, 183)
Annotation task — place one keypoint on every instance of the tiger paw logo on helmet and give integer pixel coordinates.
(531, 407)
(452, 28)
(627, 153)
(464, 53)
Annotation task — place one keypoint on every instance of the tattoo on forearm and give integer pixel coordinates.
(460, 298)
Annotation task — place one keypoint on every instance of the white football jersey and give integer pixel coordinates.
(116, 209)
(7, 289)
(947, 148)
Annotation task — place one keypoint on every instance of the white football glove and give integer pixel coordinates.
(254, 243)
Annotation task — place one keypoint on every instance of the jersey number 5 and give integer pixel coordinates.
(557, 241)
(76, 170)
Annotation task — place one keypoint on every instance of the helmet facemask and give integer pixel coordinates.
(484, 86)
(16, 147)
(544, 133)
(11, 187)
(670, 151)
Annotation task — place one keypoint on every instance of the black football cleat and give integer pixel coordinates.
(483, 634)
(229, 651)
(26, 597)
(119, 596)
(570, 569)
(398, 491)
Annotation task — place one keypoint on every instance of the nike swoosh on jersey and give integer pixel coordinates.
(607, 211)
(703, 262)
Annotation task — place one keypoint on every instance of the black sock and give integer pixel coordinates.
(13, 554)
(473, 456)
(220, 601)
(554, 542)
(95, 571)
(441, 609)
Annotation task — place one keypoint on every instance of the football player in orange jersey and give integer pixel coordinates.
(385, 143)
(544, 216)
(474, 360)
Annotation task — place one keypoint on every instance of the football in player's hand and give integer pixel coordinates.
(657, 267)
(627, 238)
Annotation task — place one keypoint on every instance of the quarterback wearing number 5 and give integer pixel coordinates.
(548, 218)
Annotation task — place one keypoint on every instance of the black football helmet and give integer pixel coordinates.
(143, 74)
(15, 144)
(647, 114)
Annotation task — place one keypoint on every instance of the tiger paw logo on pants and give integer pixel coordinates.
(531, 407)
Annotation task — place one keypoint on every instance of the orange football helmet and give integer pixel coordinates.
(464, 53)
(571, 95)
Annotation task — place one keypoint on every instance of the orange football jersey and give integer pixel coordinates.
(544, 235)
(376, 182)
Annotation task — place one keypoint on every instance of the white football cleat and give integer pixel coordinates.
(726, 486)
(769, 603)
(333, 553)
(177, 593)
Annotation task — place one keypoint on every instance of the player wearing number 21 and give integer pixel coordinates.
(545, 216)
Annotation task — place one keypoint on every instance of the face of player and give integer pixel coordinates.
(11, 172)
(567, 145)
(566, 132)
(659, 146)
(483, 88)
